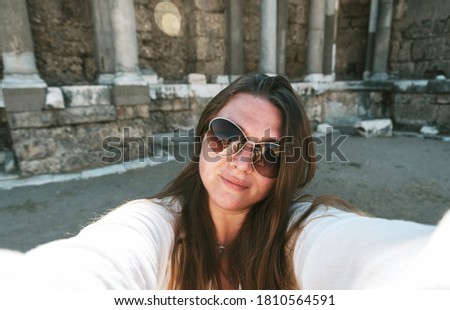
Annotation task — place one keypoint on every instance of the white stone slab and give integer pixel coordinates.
(54, 98)
(196, 78)
(90, 95)
(375, 128)
(429, 130)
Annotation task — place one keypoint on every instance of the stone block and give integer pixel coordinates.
(210, 5)
(375, 128)
(411, 86)
(34, 147)
(23, 92)
(340, 104)
(178, 104)
(55, 99)
(105, 79)
(204, 91)
(131, 94)
(207, 24)
(439, 86)
(443, 98)
(46, 165)
(24, 99)
(224, 79)
(206, 48)
(415, 110)
(196, 78)
(169, 91)
(36, 119)
(132, 112)
(429, 130)
(161, 105)
(220, 79)
(167, 122)
(431, 69)
(151, 78)
(81, 115)
(403, 69)
(197, 105)
(443, 118)
(83, 96)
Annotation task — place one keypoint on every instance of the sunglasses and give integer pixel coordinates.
(226, 138)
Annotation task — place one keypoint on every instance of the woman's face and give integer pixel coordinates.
(231, 181)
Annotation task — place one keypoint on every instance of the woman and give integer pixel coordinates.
(240, 185)
(230, 220)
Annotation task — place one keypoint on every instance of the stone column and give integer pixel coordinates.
(282, 28)
(382, 38)
(104, 45)
(316, 24)
(23, 89)
(235, 45)
(371, 38)
(329, 47)
(129, 86)
(268, 37)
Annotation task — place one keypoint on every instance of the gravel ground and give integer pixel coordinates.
(399, 177)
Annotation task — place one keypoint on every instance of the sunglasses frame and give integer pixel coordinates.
(247, 141)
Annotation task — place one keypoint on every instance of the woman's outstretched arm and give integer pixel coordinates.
(342, 250)
(129, 248)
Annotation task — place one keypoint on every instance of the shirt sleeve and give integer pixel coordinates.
(129, 248)
(343, 250)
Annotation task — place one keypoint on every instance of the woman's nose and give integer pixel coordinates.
(243, 159)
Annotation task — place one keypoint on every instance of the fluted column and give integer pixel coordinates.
(282, 29)
(371, 38)
(235, 45)
(268, 37)
(316, 25)
(104, 44)
(329, 48)
(129, 86)
(23, 89)
(382, 38)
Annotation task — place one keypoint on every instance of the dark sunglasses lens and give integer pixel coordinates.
(268, 162)
(222, 133)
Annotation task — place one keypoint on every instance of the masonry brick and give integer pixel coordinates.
(82, 115)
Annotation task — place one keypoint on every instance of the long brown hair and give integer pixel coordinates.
(260, 257)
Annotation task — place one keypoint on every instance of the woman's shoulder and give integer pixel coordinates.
(139, 212)
(166, 205)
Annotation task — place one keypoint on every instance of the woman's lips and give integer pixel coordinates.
(234, 183)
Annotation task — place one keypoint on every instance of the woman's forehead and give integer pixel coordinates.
(258, 117)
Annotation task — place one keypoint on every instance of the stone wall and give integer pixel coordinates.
(251, 35)
(206, 37)
(427, 103)
(420, 37)
(296, 38)
(70, 137)
(63, 39)
(351, 42)
(165, 54)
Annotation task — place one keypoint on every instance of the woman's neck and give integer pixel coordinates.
(227, 224)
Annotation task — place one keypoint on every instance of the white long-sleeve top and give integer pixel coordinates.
(130, 248)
